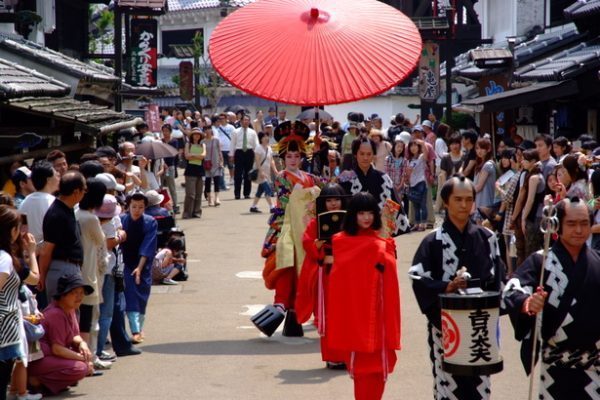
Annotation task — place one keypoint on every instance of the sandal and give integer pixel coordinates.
(136, 338)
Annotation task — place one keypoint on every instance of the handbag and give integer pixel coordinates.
(207, 164)
(253, 174)
(33, 332)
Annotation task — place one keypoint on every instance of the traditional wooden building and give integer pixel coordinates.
(37, 115)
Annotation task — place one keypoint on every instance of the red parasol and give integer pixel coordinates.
(315, 52)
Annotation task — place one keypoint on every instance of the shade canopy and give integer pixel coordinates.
(315, 52)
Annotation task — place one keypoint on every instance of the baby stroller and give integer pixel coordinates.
(167, 230)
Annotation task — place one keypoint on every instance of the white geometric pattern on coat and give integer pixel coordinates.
(484, 388)
(593, 389)
(444, 385)
(449, 259)
(545, 382)
(556, 279)
(416, 272)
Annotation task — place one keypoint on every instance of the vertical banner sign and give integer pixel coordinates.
(186, 80)
(429, 72)
(152, 117)
(143, 52)
(439, 7)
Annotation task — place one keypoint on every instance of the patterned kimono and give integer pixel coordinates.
(282, 247)
(570, 331)
(380, 185)
(440, 255)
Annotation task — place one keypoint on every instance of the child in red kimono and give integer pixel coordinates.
(363, 298)
(312, 283)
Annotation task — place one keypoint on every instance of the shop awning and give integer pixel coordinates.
(87, 117)
(535, 93)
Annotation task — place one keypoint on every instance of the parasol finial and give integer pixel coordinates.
(314, 13)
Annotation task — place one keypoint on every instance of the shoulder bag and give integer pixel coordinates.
(253, 174)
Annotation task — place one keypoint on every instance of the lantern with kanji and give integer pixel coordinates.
(470, 333)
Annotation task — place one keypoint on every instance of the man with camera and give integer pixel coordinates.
(135, 180)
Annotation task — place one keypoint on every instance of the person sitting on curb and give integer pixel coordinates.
(168, 263)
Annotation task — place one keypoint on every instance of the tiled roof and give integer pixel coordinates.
(181, 51)
(17, 81)
(183, 5)
(89, 117)
(525, 52)
(142, 3)
(563, 65)
(56, 60)
(583, 9)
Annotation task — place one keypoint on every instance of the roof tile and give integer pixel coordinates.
(17, 81)
(142, 3)
(183, 5)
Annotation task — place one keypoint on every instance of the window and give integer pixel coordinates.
(178, 37)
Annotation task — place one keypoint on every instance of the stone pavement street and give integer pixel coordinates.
(200, 343)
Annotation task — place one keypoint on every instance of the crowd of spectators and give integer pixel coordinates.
(83, 240)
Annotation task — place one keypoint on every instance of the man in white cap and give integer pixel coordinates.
(154, 201)
(110, 182)
(21, 178)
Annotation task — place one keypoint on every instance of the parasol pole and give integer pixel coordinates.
(549, 226)
(314, 14)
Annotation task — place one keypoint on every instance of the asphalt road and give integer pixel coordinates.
(200, 343)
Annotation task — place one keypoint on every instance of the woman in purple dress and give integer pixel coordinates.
(67, 358)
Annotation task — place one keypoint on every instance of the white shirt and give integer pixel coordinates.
(93, 242)
(264, 167)
(237, 140)
(35, 206)
(441, 149)
(110, 232)
(6, 263)
(220, 133)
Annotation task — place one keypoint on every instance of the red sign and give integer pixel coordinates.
(186, 80)
(451, 335)
(152, 117)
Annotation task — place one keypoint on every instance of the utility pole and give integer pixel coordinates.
(449, 62)
(118, 57)
(198, 50)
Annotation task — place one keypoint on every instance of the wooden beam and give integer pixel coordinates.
(43, 152)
